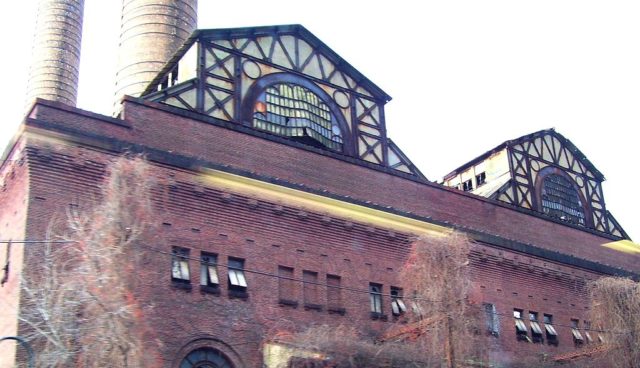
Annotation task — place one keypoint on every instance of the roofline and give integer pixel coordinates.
(576, 151)
(224, 33)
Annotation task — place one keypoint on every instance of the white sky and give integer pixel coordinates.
(464, 75)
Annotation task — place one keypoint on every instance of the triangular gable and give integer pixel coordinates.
(554, 148)
(289, 47)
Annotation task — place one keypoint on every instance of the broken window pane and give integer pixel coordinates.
(180, 264)
(208, 270)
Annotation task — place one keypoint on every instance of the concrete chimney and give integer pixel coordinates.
(150, 33)
(55, 62)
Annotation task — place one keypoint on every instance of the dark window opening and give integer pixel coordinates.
(536, 330)
(206, 358)
(552, 335)
(575, 331)
(294, 111)
(467, 186)
(375, 299)
(521, 328)
(481, 179)
(561, 200)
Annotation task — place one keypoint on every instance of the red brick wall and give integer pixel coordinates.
(14, 184)
(267, 235)
(155, 128)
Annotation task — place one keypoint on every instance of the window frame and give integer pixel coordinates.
(492, 320)
(236, 279)
(180, 268)
(522, 332)
(375, 299)
(550, 331)
(398, 306)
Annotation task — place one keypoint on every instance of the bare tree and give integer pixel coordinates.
(443, 328)
(78, 306)
(437, 271)
(615, 308)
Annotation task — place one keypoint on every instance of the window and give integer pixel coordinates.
(536, 331)
(492, 320)
(334, 294)
(375, 297)
(521, 329)
(286, 286)
(587, 331)
(397, 304)
(295, 111)
(310, 290)
(237, 280)
(208, 270)
(206, 358)
(467, 185)
(552, 335)
(577, 336)
(180, 265)
(481, 179)
(561, 200)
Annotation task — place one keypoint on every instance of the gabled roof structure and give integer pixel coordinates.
(284, 81)
(544, 172)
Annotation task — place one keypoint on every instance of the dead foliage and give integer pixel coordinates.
(615, 309)
(77, 307)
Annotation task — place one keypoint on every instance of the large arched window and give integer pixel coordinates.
(205, 358)
(560, 199)
(291, 110)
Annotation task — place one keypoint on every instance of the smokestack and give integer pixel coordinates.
(150, 33)
(56, 51)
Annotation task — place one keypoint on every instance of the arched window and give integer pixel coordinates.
(294, 111)
(560, 199)
(205, 358)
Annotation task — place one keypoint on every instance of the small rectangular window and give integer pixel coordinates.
(587, 331)
(397, 304)
(491, 318)
(334, 294)
(286, 285)
(467, 185)
(208, 269)
(481, 179)
(536, 331)
(575, 331)
(552, 335)
(180, 264)
(237, 280)
(521, 328)
(375, 298)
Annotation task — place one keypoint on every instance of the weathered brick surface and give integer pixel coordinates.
(14, 187)
(267, 235)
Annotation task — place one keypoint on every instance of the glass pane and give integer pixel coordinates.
(213, 274)
(295, 111)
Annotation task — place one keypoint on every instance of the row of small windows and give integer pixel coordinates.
(237, 283)
(467, 185)
(209, 281)
(537, 332)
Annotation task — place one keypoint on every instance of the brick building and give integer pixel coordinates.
(283, 204)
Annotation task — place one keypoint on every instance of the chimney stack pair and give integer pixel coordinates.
(150, 32)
